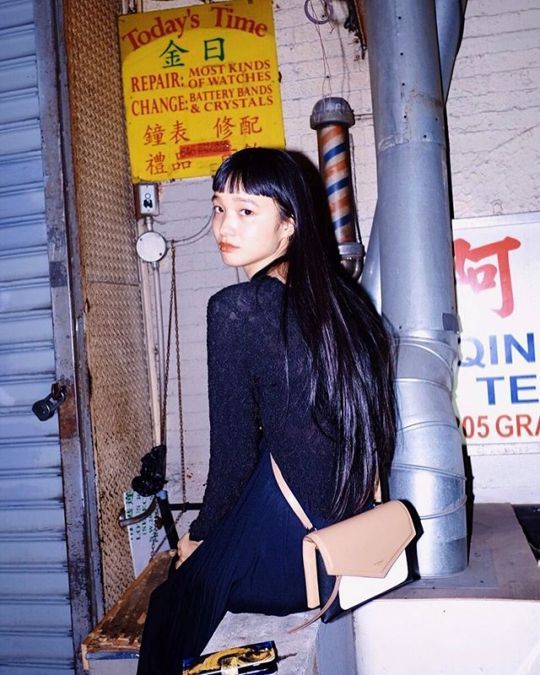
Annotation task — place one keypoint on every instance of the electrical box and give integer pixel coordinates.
(146, 199)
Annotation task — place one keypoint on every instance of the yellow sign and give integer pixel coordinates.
(200, 82)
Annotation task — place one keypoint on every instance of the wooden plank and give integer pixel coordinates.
(120, 630)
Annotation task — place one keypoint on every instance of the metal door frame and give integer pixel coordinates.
(79, 485)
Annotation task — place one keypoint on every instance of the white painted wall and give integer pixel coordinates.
(493, 114)
(494, 110)
(494, 129)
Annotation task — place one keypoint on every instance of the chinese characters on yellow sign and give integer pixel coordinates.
(199, 83)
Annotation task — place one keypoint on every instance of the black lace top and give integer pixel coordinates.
(259, 401)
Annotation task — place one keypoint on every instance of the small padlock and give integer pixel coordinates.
(45, 408)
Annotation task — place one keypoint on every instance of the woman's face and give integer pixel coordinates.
(249, 230)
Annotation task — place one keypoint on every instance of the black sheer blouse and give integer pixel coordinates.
(258, 385)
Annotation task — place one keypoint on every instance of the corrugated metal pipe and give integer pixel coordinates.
(331, 118)
(409, 265)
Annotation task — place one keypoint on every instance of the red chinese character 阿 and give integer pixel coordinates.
(484, 277)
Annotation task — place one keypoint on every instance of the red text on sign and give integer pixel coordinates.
(520, 425)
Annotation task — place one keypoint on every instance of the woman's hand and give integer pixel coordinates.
(185, 548)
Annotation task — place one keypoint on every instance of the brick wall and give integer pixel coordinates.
(494, 146)
(493, 117)
(494, 110)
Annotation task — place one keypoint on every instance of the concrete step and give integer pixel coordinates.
(113, 646)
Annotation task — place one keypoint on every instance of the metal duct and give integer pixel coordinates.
(413, 247)
(450, 16)
(331, 118)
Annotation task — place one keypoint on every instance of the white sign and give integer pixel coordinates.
(498, 282)
(143, 536)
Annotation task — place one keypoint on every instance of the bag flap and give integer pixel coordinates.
(367, 544)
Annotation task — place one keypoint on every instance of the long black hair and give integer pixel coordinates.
(351, 351)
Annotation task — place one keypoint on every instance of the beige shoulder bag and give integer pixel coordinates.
(353, 561)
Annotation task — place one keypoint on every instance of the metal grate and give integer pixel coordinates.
(120, 409)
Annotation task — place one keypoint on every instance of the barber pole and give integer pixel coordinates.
(331, 118)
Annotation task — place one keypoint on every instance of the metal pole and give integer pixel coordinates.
(416, 271)
(331, 118)
(154, 375)
(450, 15)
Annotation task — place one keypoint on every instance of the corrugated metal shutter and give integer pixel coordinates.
(35, 614)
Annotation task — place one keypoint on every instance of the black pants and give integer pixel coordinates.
(252, 563)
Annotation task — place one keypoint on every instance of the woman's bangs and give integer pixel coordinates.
(243, 179)
(263, 172)
(228, 181)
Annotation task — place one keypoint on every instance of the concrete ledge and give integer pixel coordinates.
(483, 620)
(296, 652)
(486, 619)
(319, 649)
(112, 648)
